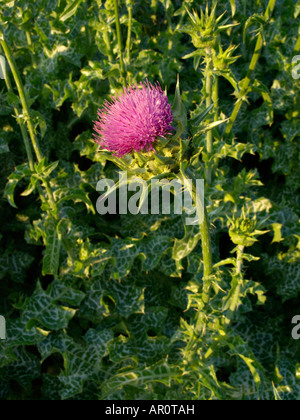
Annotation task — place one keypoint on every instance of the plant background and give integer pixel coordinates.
(104, 307)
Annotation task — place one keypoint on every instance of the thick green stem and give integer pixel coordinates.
(22, 96)
(206, 254)
(209, 93)
(119, 36)
(247, 80)
(22, 128)
(25, 136)
(128, 42)
(205, 237)
(215, 97)
(27, 118)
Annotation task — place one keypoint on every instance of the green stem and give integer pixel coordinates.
(209, 93)
(22, 128)
(119, 36)
(22, 96)
(206, 255)
(215, 97)
(25, 136)
(27, 118)
(128, 42)
(247, 80)
(29, 42)
(107, 44)
(239, 259)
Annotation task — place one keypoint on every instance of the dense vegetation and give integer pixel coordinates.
(122, 306)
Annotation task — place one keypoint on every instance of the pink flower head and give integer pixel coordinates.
(134, 120)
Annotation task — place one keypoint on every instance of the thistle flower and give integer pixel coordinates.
(134, 120)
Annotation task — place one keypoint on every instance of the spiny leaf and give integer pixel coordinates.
(70, 10)
(21, 172)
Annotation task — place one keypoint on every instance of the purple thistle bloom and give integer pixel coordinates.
(134, 120)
